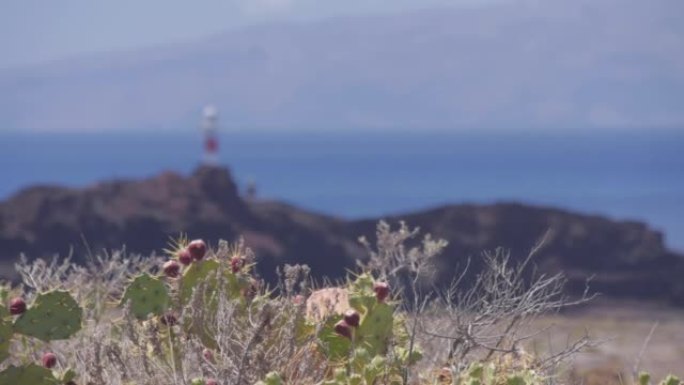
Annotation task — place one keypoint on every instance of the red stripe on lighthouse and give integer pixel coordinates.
(211, 144)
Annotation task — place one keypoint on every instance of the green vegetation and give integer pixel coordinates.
(129, 320)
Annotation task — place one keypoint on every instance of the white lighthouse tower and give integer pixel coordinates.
(209, 127)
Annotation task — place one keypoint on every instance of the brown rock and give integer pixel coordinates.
(626, 258)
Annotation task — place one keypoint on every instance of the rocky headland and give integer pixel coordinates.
(625, 258)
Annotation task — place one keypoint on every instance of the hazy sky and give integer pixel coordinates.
(517, 63)
(34, 31)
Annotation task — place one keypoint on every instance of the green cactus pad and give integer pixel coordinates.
(4, 312)
(69, 375)
(361, 294)
(374, 369)
(355, 379)
(516, 380)
(54, 315)
(340, 375)
(199, 272)
(476, 370)
(5, 337)
(147, 295)
(644, 378)
(4, 292)
(273, 378)
(28, 374)
(671, 380)
(331, 344)
(373, 334)
(207, 273)
(402, 354)
(375, 330)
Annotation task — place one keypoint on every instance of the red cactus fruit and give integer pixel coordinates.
(184, 257)
(17, 306)
(445, 375)
(171, 268)
(236, 263)
(381, 290)
(343, 329)
(49, 360)
(168, 319)
(352, 318)
(197, 249)
(208, 355)
(210, 381)
(298, 299)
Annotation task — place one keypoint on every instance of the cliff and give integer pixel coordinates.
(626, 258)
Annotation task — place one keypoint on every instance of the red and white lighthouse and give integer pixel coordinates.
(209, 127)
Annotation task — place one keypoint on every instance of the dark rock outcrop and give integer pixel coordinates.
(625, 258)
(621, 258)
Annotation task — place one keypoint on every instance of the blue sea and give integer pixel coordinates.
(356, 175)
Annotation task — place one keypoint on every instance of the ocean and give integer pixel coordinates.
(355, 175)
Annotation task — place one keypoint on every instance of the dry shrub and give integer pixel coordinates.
(483, 322)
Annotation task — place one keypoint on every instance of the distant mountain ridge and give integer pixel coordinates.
(555, 64)
(626, 258)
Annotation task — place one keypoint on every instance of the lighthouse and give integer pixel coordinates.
(209, 126)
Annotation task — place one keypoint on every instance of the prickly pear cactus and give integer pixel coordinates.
(516, 380)
(361, 294)
(54, 315)
(490, 373)
(377, 321)
(5, 289)
(28, 374)
(213, 279)
(341, 377)
(334, 346)
(375, 328)
(671, 380)
(368, 369)
(5, 328)
(272, 378)
(476, 375)
(401, 341)
(147, 295)
(207, 272)
(644, 378)
(5, 336)
(405, 357)
(68, 375)
(201, 274)
(524, 377)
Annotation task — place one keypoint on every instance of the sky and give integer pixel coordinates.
(84, 65)
(35, 31)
